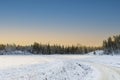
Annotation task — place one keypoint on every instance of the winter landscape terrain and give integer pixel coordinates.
(59, 39)
(60, 67)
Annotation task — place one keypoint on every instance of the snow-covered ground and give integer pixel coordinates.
(59, 67)
(97, 52)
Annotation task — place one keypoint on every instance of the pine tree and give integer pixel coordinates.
(36, 48)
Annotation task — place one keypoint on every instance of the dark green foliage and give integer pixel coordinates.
(57, 49)
(38, 48)
(2, 47)
(112, 45)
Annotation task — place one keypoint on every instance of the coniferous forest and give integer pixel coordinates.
(110, 46)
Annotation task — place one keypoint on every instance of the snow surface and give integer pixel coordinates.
(44, 68)
(97, 52)
(59, 67)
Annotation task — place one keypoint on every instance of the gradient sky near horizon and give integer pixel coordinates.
(67, 22)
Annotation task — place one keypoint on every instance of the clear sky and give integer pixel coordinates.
(68, 22)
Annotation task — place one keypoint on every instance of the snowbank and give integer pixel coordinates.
(16, 52)
(97, 52)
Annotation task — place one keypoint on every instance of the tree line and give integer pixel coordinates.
(38, 48)
(112, 45)
(57, 49)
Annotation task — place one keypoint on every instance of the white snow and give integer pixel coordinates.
(97, 52)
(10, 61)
(59, 67)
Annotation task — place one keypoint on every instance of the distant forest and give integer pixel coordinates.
(110, 46)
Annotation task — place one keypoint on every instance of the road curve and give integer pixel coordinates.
(107, 72)
(102, 64)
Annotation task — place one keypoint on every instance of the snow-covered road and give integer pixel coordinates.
(59, 67)
(108, 66)
(108, 72)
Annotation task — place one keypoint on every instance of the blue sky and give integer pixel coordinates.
(68, 22)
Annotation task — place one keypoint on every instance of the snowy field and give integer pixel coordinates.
(59, 67)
